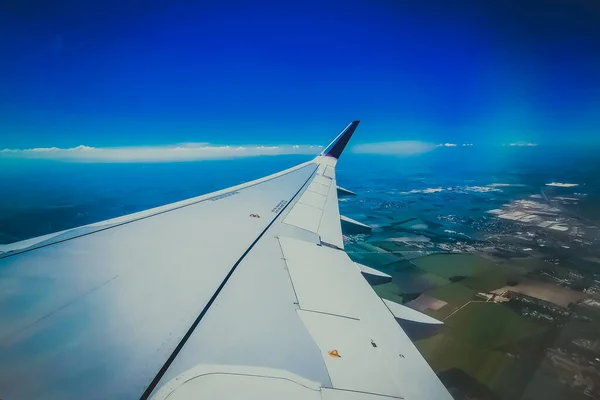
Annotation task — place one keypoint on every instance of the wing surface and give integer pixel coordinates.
(245, 291)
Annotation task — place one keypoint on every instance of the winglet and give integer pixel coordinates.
(336, 147)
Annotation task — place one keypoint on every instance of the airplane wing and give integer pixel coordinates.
(242, 293)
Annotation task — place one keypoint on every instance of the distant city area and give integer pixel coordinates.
(510, 268)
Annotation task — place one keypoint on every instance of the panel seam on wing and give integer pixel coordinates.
(287, 270)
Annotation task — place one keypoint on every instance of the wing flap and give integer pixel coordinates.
(329, 172)
(322, 180)
(313, 199)
(350, 356)
(304, 216)
(343, 313)
(330, 229)
(373, 276)
(330, 292)
(319, 188)
(316, 271)
(344, 192)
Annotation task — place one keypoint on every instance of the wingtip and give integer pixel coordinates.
(338, 145)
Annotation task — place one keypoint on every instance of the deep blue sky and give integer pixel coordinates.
(113, 73)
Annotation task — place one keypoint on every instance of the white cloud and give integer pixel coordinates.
(45, 149)
(429, 190)
(403, 147)
(446, 145)
(180, 152)
(560, 184)
(467, 145)
(522, 144)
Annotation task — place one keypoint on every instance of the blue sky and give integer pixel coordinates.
(154, 73)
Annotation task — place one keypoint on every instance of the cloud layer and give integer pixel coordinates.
(402, 147)
(205, 151)
(522, 144)
(184, 152)
(446, 145)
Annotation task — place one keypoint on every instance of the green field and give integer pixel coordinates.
(485, 341)
(496, 325)
(492, 278)
(414, 280)
(488, 341)
(389, 291)
(444, 352)
(454, 293)
(448, 265)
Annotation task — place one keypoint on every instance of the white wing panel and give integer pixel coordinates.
(313, 199)
(322, 180)
(330, 172)
(353, 361)
(316, 271)
(328, 284)
(319, 188)
(304, 216)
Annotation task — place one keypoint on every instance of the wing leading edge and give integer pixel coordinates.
(246, 291)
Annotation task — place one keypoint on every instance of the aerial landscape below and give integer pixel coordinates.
(507, 258)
